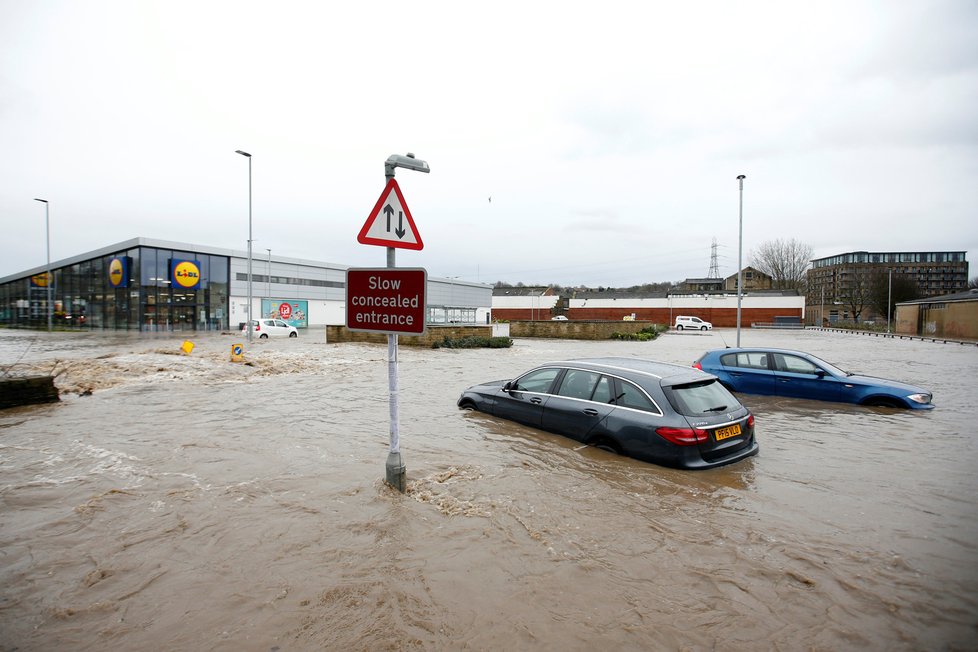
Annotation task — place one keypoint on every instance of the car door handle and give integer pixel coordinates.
(591, 412)
(536, 399)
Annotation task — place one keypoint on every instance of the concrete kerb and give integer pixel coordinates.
(922, 338)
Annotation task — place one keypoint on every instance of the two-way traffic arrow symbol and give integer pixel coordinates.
(388, 211)
(373, 232)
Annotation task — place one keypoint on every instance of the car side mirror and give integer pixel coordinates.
(821, 373)
(508, 386)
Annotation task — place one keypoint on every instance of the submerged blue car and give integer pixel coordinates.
(781, 372)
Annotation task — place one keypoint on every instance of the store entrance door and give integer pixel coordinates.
(185, 317)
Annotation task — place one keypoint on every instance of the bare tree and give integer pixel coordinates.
(856, 292)
(973, 283)
(887, 290)
(785, 261)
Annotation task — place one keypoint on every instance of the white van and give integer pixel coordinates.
(694, 323)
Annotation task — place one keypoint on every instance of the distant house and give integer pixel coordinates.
(701, 285)
(753, 279)
(951, 315)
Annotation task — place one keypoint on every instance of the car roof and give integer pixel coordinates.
(766, 349)
(639, 369)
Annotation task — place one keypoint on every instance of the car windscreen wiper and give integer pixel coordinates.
(719, 408)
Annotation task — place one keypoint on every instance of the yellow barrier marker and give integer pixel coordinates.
(237, 353)
(187, 347)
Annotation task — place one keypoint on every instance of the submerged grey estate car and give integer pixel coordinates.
(660, 413)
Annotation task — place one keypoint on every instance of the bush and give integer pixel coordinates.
(644, 335)
(474, 342)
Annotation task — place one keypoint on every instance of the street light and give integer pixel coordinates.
(268, 277)
(889, 300)
(249, 326)
(740, 253)
(50, 278)
(396, 471)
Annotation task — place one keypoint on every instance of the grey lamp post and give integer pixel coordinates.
(889, 299)
(250, 328)
(740, 253)
(268, 276)
(396, 471)
(50, 278)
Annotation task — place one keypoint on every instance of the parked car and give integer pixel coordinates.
(660, 413)
(684, 322)
(781, 372)
(265, 328)
(559, 318)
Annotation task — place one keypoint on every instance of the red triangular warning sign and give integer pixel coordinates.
(390, 223)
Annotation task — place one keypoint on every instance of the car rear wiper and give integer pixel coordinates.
(719, 408)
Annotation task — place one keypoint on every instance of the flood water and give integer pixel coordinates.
(185, 502)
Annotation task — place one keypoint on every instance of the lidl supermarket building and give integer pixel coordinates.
(154, 285)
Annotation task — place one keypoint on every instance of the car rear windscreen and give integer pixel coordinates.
(702, 398)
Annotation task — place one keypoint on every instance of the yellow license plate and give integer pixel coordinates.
(727, 433)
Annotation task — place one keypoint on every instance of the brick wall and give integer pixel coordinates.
(521, 314)
(719, 317)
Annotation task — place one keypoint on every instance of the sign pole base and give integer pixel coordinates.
(396, 472)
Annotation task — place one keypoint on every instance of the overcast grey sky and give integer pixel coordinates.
(608, 135)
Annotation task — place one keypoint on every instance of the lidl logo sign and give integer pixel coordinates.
(42, 280)
(119, 272)
(185, 274)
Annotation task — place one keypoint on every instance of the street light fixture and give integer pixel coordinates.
(408, 162)
(50, 278)
(249, 326)
(740, 253)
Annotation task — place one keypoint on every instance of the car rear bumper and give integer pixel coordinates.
(750, 450)
(689, 457)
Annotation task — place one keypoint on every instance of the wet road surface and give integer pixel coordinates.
(177, 502)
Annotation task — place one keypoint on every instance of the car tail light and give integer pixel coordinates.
(682, 436)
(750, 420)
(697, 365)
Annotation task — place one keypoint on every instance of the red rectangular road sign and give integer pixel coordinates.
(386, 300)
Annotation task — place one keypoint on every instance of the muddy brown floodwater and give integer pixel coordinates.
(183, 502)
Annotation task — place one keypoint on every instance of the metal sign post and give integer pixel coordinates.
(396, 471)
(740, 253)
(382, 228)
